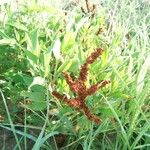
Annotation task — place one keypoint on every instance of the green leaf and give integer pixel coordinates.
(17, 35)
(142, 74)
(107, 112)
(37, 106)
(18, 25)
(33, 43)
(17, 78)
(65, 66)
(38, 81)
(3, 34)
(47, 59)
(81, 24)
(41, 9)
(74, 65)
(34, 96)
(7, 42)
(56, 49)
(41, 140)
(27, 80)
(38, 88)
(68, 41)
(48, 136)
(32, 58)
(37, 99)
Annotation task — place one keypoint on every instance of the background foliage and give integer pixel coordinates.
(40, 41)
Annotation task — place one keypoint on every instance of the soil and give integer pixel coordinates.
(8, 142)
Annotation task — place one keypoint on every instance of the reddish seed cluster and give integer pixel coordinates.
(78, 86)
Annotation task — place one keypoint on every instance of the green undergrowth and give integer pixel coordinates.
(38, 43)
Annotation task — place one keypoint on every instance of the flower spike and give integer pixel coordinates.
(79, 87)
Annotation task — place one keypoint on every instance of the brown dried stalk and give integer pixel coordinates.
(89, 8)
(79, 87)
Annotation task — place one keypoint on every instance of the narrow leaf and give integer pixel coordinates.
(142, 74)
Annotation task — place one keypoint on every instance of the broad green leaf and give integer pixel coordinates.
(38, 81)
(34, 96)
(37, 99)
(17, 78)
(37, 106)
(27, 80)
(38, 88)
(32, 58)
(33, 42)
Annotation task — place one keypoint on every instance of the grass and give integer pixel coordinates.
(38, 43)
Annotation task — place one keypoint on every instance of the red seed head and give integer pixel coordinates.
(94, 56)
